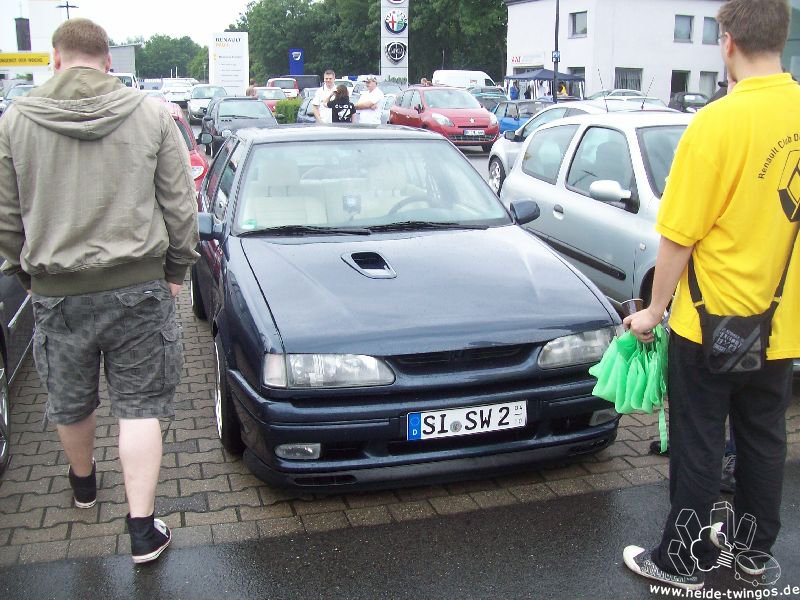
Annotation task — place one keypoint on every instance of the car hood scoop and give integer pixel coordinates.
(420, 291)
(369, 264)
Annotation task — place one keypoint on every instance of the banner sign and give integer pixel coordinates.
(24, 59)
(297, 61)
(229, 61)
(394, 38)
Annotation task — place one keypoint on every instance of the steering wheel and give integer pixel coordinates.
(407, 201)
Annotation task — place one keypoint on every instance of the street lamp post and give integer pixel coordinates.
(556, 58)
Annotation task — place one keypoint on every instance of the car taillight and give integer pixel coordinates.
(198, 165)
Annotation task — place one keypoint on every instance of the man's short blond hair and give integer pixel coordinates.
(81, 37)
(756, 26)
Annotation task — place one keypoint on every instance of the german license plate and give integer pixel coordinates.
(437, 424)
(474, 132)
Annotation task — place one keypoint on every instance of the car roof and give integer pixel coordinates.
(626, 119)
(300, 132)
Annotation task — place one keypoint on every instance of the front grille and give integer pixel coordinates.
(492, 357)
(471, 138)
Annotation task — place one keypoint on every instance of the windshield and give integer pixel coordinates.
(207, 92)
(658, 146)
(125, 79)
(364, 183)
(286, 84)
(451, 99)
(244, 109)
(388, 87)
(20, 90)
(270, 94)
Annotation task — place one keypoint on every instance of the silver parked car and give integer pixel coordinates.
(598, 181)
(506, 149)
(199, 97)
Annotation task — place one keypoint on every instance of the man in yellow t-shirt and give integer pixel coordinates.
(732, 204)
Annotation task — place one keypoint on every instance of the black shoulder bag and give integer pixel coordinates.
(734, 344)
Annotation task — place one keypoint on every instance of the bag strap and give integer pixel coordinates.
(697, 297)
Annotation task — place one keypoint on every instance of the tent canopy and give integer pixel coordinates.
(542, 75)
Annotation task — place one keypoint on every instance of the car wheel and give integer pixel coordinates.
(497, 174)
(486, 147)
(197, 300)
(5, 408)
(229, 428)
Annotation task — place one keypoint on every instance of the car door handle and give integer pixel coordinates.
(558, 209)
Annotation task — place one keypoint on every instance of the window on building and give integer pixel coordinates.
(708, 82)
(577, 24)
(679, 82)
(683, 28)
(710, 31)
(629, 79)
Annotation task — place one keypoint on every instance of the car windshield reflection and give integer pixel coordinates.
(245, 109)
(451, 99)
(420, 185)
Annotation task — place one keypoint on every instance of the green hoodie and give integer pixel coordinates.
(96, 191)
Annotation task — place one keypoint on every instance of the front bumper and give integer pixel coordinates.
(365, 447)
(458, 135)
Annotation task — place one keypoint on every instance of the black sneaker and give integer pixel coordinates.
(640, 561)
(727, 484)
(655, 448)
(84, 489)
(149, 538)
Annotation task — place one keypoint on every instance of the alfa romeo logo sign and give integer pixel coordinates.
(396, 21)
(396, 51)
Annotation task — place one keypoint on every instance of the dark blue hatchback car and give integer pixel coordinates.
(380, 319)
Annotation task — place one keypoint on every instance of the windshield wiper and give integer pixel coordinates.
(301, 229)
(417, 225)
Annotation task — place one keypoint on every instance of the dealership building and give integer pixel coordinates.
(657, 46)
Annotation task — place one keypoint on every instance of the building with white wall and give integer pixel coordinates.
(44, 17)
(657, 46)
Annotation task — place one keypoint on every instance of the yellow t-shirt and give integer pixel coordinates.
(732, 190)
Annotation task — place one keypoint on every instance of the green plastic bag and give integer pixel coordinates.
(633, 376)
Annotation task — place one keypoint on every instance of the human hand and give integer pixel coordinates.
(174, 289)
(641, 324)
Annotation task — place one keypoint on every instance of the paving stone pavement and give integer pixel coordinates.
(208, 496)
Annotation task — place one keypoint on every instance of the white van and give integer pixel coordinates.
(129, 79)
(462, 79)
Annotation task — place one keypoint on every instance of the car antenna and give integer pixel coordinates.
(602, 87)
(644, 99)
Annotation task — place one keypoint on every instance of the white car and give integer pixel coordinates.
(598, 181)
(178, 92)
(506, 149)
(199, 97)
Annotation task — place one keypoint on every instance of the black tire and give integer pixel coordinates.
(5, 420)
(198, 308)
(497, 175)
(229, 427)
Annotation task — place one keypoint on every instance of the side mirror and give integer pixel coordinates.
(205, 138)
(208, 118)
(419, 108)
(608, 190)
(524, 211)
(207, 228)
(510, 135)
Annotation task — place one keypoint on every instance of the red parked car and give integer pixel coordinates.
(452, 112)
(270, 96)
(196, 158)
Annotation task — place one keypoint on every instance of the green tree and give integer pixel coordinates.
(162, 55)
(198, 66)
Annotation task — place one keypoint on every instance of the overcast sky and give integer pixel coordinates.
(124, 19)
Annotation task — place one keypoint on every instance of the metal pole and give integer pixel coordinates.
(554, 91)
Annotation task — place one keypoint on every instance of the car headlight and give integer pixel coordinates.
(325, 371)
(492, 119)
(577, 349)
(441, 120)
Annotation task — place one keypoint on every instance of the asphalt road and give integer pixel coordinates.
(566, 548)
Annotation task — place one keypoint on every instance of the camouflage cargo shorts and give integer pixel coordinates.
(133, 330)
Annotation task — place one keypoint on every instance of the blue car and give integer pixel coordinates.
(380, 319)
(513, 114)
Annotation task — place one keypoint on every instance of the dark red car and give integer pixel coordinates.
(452, 112)
(196, 158)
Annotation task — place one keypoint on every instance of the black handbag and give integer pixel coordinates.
(733, 344)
